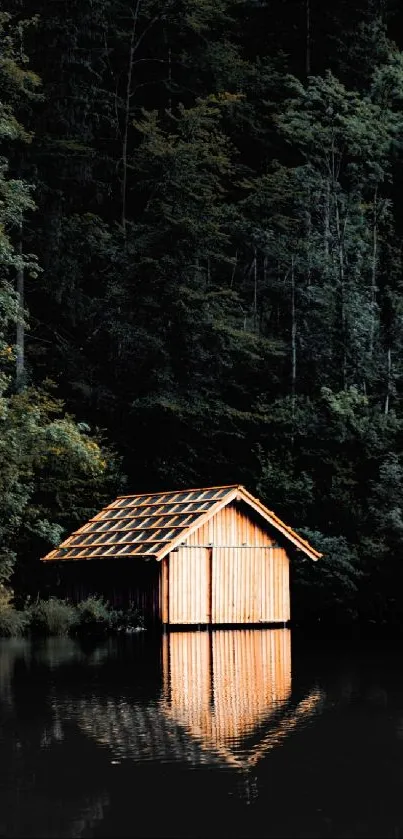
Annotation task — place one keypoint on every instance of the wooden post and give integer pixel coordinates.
(210, 586)
(165, 668)
(165, 591)
(211, 668)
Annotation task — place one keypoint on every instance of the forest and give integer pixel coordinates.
(201, 274)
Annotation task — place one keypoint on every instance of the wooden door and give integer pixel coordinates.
(249, 585)
(188, 586)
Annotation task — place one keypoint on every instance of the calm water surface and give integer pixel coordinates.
(234, 733)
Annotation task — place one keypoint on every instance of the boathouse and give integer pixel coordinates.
(198, 557)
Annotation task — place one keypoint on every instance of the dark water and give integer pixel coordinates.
(237, 733)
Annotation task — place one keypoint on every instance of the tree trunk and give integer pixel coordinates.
(293, 345)
(234, 268)
(309, 241)
(342, 292)
(327, 226)
(134, 45)
(308, 37)
(127, 116)
(388, 381)
(20, 332)
(255, 290)
(374, 272)
(293, 331)
(169, 79)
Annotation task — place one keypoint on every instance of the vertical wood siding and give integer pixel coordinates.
(250, 585)
(242, 578)
(231, 526)
(188, 586)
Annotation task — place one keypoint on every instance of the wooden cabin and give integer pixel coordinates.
(199, 557)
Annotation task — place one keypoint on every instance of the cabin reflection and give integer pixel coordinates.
(225, 700)
(223, 686)
(231, 691)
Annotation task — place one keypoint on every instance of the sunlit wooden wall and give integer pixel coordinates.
(229, 571)
(189, 574)
(250, 585)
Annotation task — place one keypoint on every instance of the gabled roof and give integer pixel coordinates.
(151, 525)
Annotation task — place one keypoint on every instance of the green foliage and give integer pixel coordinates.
(12, 622)
(52, 617)
(17, 83)
(219, 234)
(326, 590)
(45, 459)
(94, 616)
(126, 620)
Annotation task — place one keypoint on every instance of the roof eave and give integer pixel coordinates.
(300, 543)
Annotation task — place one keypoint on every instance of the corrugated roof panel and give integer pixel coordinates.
(89, 528)
(89, 539)
(124, 549)
(139, 549)
(107, 552)
(109, 515)
(139, 535)
(130, 524)
(103, 526)
(124, 502)
(153, 549)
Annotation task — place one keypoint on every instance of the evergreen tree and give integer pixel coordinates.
(48, 463)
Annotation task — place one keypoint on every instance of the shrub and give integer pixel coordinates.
(52, 617)
(12, 623)
(94, 616)
(127, 620)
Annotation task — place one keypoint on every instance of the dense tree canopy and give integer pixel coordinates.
(200, 254)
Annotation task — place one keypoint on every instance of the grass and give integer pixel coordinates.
(55, 617)
(51, 617)
(13, 623)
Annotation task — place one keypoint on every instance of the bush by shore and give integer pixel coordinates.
(93, 616)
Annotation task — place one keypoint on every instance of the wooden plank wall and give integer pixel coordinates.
(250, 585)
(188, 586)
(250, 576)
(231, 526)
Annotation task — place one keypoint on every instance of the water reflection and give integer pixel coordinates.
(229, 717)
(230, 690)
(41, 793)
(224, 700)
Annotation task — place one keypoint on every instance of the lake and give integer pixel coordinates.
(226, 734)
